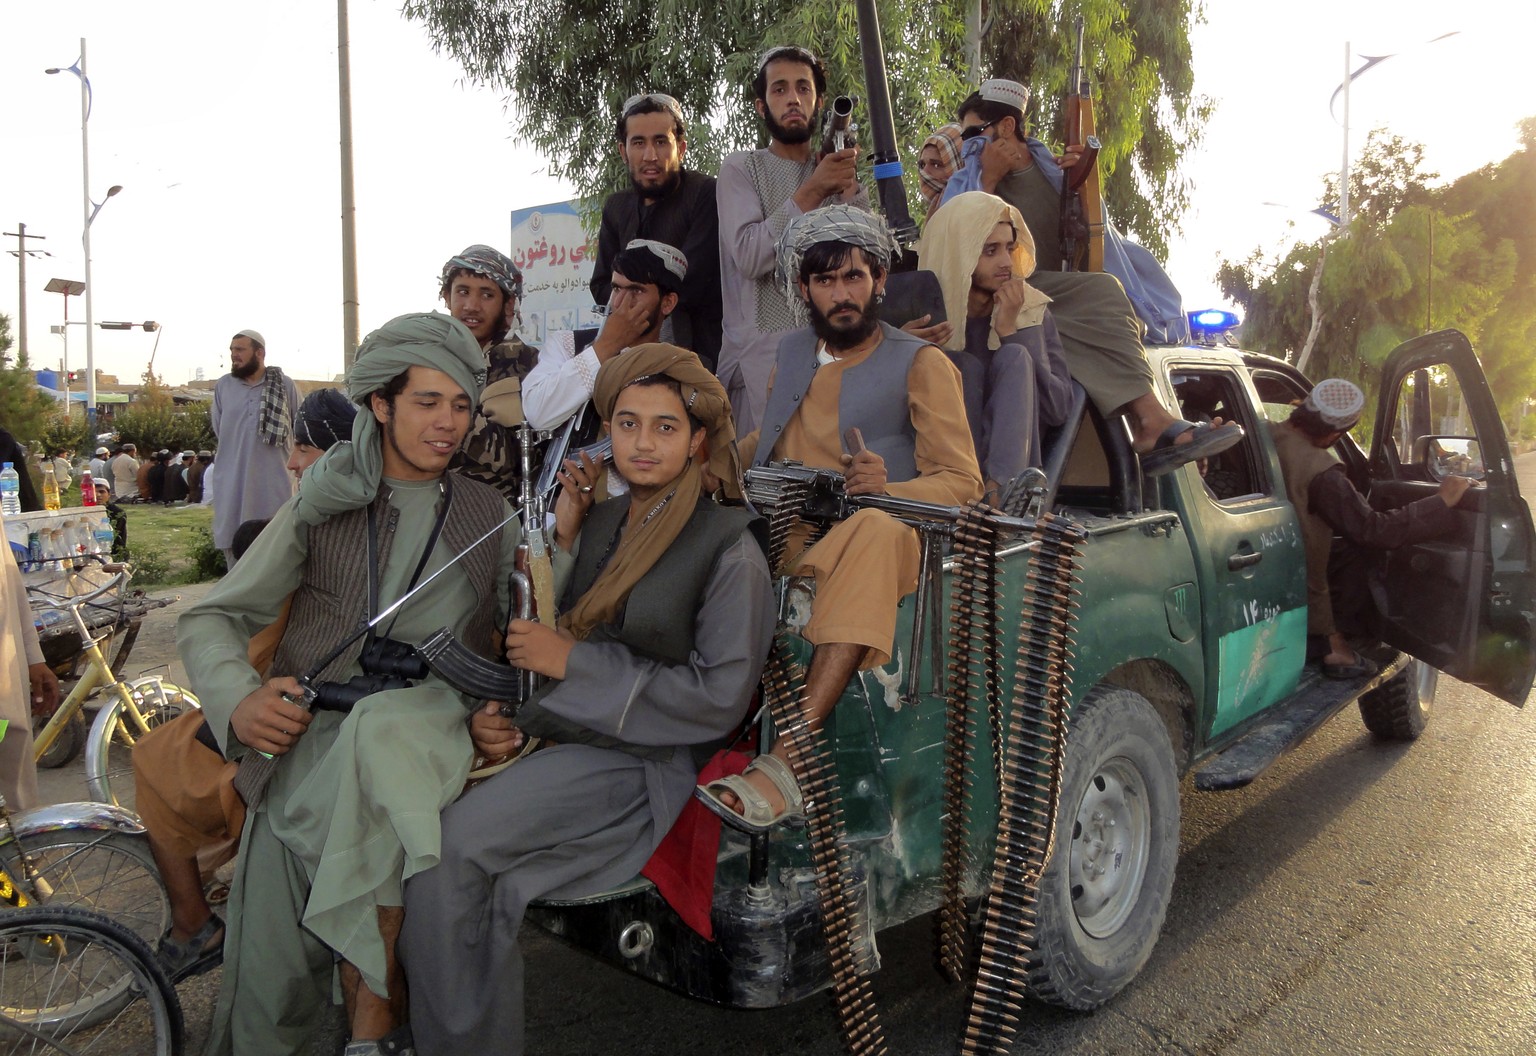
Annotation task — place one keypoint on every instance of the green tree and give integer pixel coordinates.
(563, 61)
(23, 408)
(1417, 257)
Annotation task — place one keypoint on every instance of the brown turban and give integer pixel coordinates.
(643, 545)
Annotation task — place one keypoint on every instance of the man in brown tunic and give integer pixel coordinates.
(1327, 503)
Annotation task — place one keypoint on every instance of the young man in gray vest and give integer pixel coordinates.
(1327, 503)
(849, 371)
(660, 646)
(353, 805)
(759, 192)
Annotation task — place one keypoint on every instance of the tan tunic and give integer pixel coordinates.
(19, 650)
(864, 566)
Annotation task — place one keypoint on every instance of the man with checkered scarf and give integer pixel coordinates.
(481, 288)
(254, 407)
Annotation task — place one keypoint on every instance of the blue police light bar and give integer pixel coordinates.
(1213, 321)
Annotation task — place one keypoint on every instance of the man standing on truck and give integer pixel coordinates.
(759, 193)
(895, 401)
(1327, 503)
(670, 204)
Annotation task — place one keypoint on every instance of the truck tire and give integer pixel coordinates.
(1398, 709)
(1105, 892)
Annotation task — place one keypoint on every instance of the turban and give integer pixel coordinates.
(951, 249)
(946, 140)
(348, 475)
(832, 223)
(643, 544)
(325, 418)
(1337, 402)
(492, 263)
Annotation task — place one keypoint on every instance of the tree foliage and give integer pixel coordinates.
(568, 65)
(23, 408)
(154, 426)
(1417, 258)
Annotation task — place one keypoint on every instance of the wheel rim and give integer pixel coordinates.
(1111, 838)
(1425, 681)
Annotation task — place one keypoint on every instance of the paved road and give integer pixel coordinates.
(1359, 898)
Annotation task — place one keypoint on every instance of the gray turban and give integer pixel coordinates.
(831, 223)
(347, 476)
(490, 262)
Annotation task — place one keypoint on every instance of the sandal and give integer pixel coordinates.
(1168, 454)
(201, 953)
(756, 814)
(1363, 667)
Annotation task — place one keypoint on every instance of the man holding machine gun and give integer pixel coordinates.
(759, 192)
(352, 808)
(850, 393)
(660, 645)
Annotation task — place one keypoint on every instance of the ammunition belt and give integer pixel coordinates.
(810, 757)
(1031, 776)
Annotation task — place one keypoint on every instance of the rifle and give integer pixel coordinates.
(1082, 204)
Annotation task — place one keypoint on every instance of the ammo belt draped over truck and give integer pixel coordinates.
(1027, 757)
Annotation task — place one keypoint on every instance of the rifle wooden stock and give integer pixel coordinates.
(1082, 201)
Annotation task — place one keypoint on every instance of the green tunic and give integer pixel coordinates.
(354, 805)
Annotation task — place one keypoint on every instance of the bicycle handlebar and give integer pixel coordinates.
(62, 604)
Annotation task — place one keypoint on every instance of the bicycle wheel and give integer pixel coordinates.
(66, 746)
(109, 746)
(74, 981)
(112, 873)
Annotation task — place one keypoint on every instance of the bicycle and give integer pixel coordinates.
(137, 707)
(74, 981)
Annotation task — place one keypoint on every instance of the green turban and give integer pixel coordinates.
(347, 476)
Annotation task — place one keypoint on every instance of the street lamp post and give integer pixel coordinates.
(87, 214)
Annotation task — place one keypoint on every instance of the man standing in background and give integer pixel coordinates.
(670, 204)
(253, 413)
(125, 474)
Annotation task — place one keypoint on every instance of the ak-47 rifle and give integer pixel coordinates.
(1082, 204)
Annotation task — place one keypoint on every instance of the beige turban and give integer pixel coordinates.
(951, 249)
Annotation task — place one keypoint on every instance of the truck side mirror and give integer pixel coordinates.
(1444, 456)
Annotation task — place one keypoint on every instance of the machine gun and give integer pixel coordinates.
(1082, 204)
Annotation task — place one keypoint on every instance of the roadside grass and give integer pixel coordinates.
(172, 544)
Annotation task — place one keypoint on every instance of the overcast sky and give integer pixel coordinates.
(219, 121)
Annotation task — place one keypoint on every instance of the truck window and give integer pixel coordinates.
(1429, 403)
(1238, 473)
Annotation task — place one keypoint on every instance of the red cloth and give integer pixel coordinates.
(683, 867)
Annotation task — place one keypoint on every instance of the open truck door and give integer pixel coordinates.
(1464, 604)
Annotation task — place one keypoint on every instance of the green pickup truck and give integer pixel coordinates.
(1187, 650)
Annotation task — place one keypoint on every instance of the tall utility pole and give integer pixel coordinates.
(1349, 62)
(348, 206)
(22, 253)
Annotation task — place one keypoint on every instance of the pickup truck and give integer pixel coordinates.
(1186, 657)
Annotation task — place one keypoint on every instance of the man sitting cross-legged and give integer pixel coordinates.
(846, 371)
(661, 643)
(353, 805)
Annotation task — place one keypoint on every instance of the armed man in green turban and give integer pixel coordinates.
(352, 808)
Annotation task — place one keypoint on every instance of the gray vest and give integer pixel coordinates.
(873, 398)
(332, 599)
(658, 617)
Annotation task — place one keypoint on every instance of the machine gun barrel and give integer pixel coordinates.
(828, 501)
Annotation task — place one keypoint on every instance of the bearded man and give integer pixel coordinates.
(669, 204)
(253, 414)
(481, 287)
(759, 193)
(847, 371)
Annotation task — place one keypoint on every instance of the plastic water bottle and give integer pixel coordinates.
(87, 489)
(50, 488)
(10, 490)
